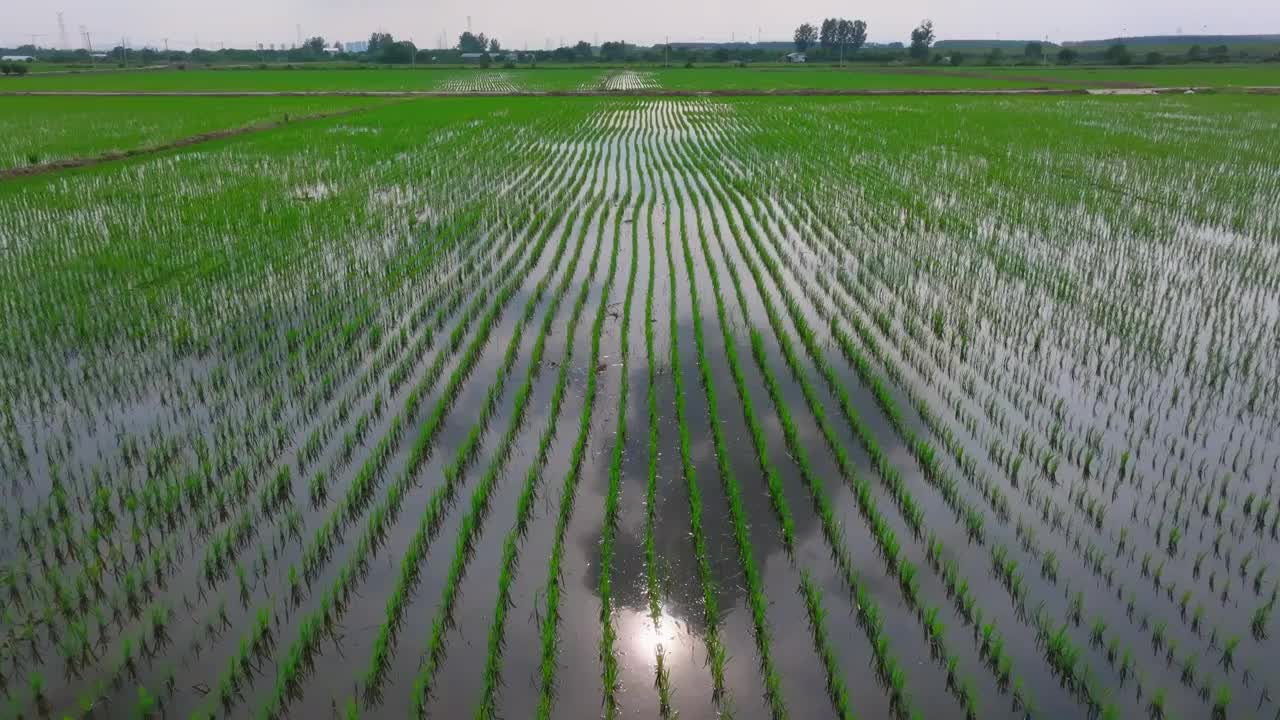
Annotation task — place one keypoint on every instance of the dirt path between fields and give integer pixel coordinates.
(736, 92)
(69, 163)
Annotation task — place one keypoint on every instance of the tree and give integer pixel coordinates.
(806, 36)
(1033, 51)
(495, 46)
(957, 59)
(1067, 56)
(398, 53)
(1195, 54)
(315, 45)
(995, 56)
(827, 35)
(377, 41)
(613, 51)
(469, 43)
(844, 33)
(858, 36)
(1118, 54)
(583, 49)
(1154, 58)
(921, 39)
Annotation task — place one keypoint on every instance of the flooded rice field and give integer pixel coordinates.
(795, 407)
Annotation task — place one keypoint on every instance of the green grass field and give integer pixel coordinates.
(822, 78)
(47, 129)
(813, 77)
(300, 80)
(1217, 76)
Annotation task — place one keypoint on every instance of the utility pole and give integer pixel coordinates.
(88, 44)
(124, 51)
(62, 33)
(666, 52)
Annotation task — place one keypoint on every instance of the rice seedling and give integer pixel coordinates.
(549, 630)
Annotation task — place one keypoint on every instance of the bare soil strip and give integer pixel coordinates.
(68, 163)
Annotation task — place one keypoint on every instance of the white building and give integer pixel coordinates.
(17, 58)
(795, 57)
(356, 46)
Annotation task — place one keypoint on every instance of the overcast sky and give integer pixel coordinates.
(245, 23)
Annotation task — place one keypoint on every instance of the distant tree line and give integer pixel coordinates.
(833, 39)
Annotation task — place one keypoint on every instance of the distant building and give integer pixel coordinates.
(356, 46)
(795, 57)
(17, 58)
(474, 57)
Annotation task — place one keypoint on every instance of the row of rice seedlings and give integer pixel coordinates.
(952, 446)
(626, 80)
(868, 612)
(756, 596)
(332, 606)
(813, 600)
(716, 656)
(239, 528)
(411, 561)
(431, 521)
(327, 536)
(264, 563)
(291, 522)
(313, 557)
(653, 590)
(319, 549)
(1173, 537)
(294, 587)
(471, 525)
(887, 543)
(488, 707)
(1006, 575)
(1050, 565)
(549, 629)
(964, 600)
(608, 656)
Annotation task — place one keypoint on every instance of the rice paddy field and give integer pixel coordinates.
(49, 129)
(631, 79)
(648, 407)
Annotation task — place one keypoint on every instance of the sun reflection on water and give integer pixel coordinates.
(646, 637)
